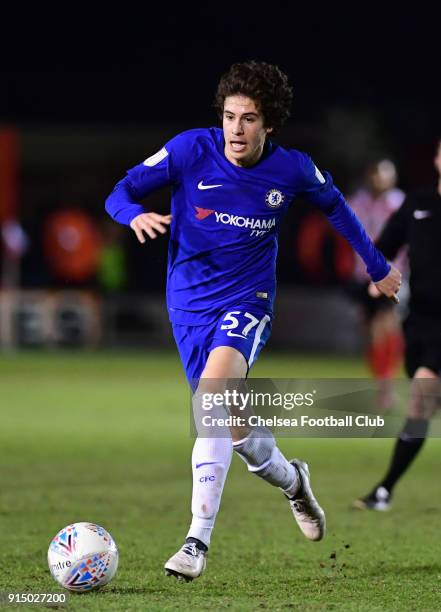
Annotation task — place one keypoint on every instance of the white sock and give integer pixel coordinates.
(263, 458)
(210, 460)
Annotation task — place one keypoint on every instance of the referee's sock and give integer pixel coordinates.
(407, 447)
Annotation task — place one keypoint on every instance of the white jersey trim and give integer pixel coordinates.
(259, 332)
(319, 176)
(153, 160)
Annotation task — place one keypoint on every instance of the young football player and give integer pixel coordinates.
(230, 190)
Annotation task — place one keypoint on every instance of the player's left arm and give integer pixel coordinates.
(393, 236)
(320, 190)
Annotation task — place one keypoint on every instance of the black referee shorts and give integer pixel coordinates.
(358, 292)
(423, 343)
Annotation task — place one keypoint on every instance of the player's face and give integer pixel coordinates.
(244, 131)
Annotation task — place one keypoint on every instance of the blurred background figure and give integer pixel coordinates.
(14, 244)
(72, 245)
(112, 274)
(13, 239)
(374, 203)
(417, 223)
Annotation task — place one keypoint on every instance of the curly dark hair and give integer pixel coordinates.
(264, 83)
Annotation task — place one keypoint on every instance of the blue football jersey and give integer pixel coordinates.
(226, 220)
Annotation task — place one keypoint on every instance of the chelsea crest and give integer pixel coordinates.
(274, 198)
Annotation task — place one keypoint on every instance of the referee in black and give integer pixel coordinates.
(418, 224)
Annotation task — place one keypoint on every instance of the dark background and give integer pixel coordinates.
(95, 90)
(141, 63)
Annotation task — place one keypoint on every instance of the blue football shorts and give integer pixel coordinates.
(243, 328)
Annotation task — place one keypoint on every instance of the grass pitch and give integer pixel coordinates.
(105, 438)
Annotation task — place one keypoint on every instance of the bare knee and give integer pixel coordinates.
(225, 362)
(424, 393)
(384, 322)
(224, 366)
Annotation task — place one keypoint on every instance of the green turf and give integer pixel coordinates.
(105, 438)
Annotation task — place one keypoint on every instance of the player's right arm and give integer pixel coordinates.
(159, 170)
(150, 223)
(123, 206)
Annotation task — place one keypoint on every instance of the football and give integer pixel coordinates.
(83, 556)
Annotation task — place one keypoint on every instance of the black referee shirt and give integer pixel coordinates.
(418, 224)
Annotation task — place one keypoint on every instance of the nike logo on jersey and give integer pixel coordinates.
(201, 186)
(198, 465)
(230, 333)
(421, 214)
